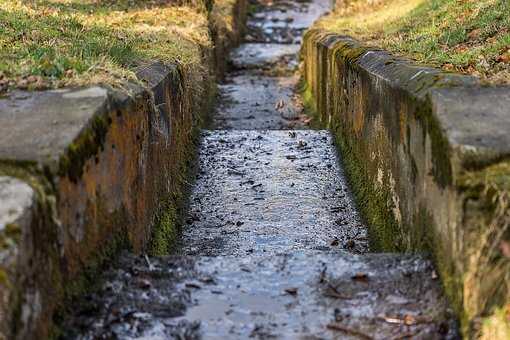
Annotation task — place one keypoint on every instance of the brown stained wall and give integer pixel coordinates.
(115, 182)
(108, 167)
(403, 165)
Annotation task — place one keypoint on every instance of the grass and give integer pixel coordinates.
(467, 36)
(55, 43)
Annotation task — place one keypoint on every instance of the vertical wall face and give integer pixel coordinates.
(112, 170)
(404, 166)
(112, 195)
(107, 169)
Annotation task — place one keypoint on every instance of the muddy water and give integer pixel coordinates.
(273, 247)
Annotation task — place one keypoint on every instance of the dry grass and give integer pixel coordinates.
(487, 277)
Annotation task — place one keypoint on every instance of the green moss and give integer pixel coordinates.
(4, 279)
(496, 176)
(165, 232)
(350, 52)
(424, 237)
(26, 172)
(373, 203)
(440, 147)
(10, 236)
(86, 281)
(13, 231)
(87, 145)
(167, 228)
(309, 104)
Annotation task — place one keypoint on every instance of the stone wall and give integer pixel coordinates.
(87, 171)
(427, 154)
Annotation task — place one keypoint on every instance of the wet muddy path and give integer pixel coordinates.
(273, 247)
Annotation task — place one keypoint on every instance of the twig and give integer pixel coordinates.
(334, 293)
(149, 264)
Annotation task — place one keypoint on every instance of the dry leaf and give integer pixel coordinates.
(474, 34)
(448, 67)
(279, 105)
(360, 277)
(291, 291)
(504, 58)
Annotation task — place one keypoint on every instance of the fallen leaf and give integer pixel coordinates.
(193, 285)
(280, 104)
(504, 58)
(448, 66)
(306, 120)
(363, 277)
(350, 244)
(333, 292)
(144, 283)
(301, 144)
(291, 291)
(461, 48)
(474, 34)
(335, 242)
(409, 320)
(393, 320)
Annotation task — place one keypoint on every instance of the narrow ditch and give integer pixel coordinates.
(273, 246)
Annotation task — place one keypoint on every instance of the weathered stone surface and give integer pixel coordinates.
(40, 126)
(476, 120)
(95, 160)
(17, 211)
(108, 165)
(423, 150)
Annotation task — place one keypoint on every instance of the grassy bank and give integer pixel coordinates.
(55, 43)
(467, 36)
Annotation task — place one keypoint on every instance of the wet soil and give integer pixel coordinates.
(273, 246)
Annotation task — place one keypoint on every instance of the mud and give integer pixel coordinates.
(273, 246)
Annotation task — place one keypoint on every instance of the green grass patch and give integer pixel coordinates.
(467, 36)
(54, 43)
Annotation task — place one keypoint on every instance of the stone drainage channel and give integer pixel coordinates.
(273, 246)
